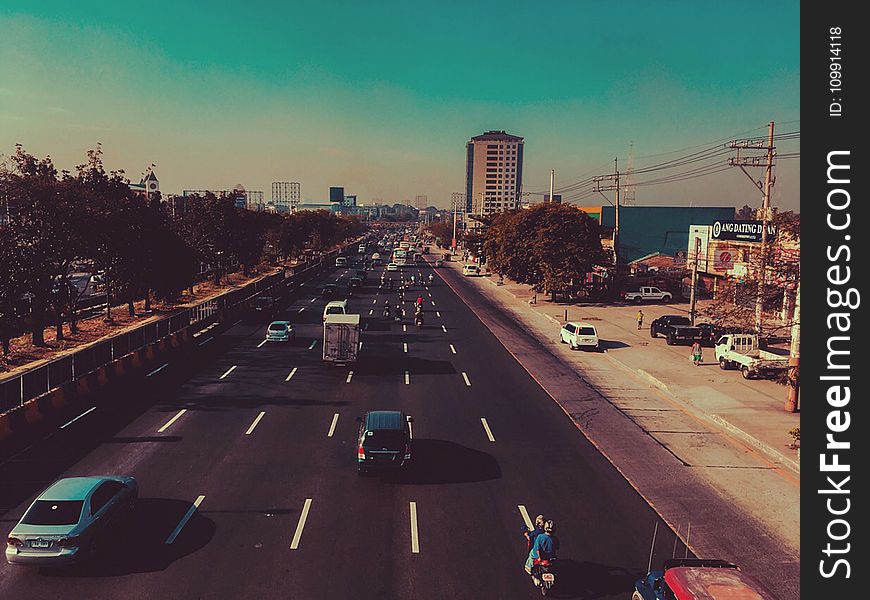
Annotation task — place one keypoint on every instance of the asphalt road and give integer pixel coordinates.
(268, 439)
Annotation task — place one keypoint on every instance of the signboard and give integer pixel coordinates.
(723, 260)
(742, 231)
(680, 258)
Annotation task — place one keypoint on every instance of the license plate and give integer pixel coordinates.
(548, 577)
(40, 543)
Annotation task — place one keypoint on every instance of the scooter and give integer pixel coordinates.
(418, 320)
(543, 571)
(387, 312)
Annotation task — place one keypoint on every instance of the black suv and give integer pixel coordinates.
(675, 328)
(384, 440)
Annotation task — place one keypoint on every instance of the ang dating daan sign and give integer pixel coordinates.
(744, 231)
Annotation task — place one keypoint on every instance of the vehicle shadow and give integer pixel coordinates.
(612, 344)
(575, 579)
(442, 461)
(139, 546)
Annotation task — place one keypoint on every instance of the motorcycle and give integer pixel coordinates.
(543, 571)
(431, 279)
(387, 312)
(418, 320)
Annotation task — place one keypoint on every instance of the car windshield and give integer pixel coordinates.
(334, 310)
(586, 331)
(384, 438)
(277, 327)
(54, 512)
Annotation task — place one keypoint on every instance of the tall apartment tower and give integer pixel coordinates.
(421, 202)
(493, 172)
(286, 195)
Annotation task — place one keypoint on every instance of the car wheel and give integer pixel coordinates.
(671, 340)
(723, 364)
(562, 339)
(637, 299)
(574, 347)
(666, 299)
(747, 374)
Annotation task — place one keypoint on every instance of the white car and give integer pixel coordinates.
(341, 261)
(336, 307)
(280, 331)
(579, 335)
(392, 267)
(470, 270)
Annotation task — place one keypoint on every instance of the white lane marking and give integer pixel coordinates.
(230, 370)
(375, 301)
(172, 420)
(371, 311)
(157, 370)
(349, 377)
(465, 377)
(433, 303)
(488, 431)
(438, 313)
(236, 323)
(261, 343)
(404, 328)
(203, 343)
(444, 329)
(314, 343)
(332, 427)
(405, 347)
(313, 299)
(525, 515)
(407, 378)
(301, 309)
(360, 345)
(452, 349)
(185, 519)
(78, 417)
(430, 295)
(415, 539)
(301, 525)
(254, 424)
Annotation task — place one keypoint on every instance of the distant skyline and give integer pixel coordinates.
(380, 98)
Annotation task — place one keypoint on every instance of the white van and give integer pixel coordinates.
(336, 307)
(470, 270)
(579, 335)
(341, 261)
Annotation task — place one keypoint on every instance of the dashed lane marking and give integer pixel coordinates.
(254, 424)
(172, 420)
(488, 430)
(184, 520)
(294, 545)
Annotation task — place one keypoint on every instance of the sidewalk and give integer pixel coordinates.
(751, 411)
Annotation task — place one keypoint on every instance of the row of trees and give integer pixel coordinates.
(53, 220)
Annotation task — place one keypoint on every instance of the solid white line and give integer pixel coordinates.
(407, 378)
(203, 343)
(405, 346)
(157, 370)
(172, 420)
(332, 427)
(525, 515)
(254, 424)
(78, 417)
(185, 519)
(301, 525)
(261, 343)
(444, 329)
(452, 349)
(349, 376)
(415, 540)
(486, 427)
(465, 377)
(314, 343)
(230, 370)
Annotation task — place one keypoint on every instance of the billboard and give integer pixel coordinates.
(742, 231)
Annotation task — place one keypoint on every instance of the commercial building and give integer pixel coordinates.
(421, 202)
(493, 172)
(286, 195)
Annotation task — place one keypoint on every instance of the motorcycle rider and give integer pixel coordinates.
(531, 536)
(545, 546)
(431, 278)
(387, 309)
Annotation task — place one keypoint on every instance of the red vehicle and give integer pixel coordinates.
(697, 579)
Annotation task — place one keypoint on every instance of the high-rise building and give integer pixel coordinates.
(336, 194)
(493, 172)
(421, 202)
(286, 195)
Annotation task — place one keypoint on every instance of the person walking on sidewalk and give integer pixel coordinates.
(697, 357)
(639, 319)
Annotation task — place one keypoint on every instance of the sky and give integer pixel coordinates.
(381, 97)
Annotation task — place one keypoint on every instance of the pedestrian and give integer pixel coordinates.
(697, 358)
(639, 319)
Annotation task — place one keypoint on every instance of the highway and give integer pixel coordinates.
(261, 440)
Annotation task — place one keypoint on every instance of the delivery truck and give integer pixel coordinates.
(340, 338)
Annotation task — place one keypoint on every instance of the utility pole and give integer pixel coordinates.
(693, 296)
(615, 186)
(766, 188)
(794, 359)
(552, 184)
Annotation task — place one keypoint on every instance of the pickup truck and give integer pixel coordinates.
(646, 294)
(741, 351)
(675, 328)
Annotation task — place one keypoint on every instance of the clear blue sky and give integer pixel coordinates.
(381, 96)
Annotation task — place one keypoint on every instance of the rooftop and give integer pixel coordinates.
(496, 136)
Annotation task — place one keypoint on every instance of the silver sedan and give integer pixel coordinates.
(66, 522)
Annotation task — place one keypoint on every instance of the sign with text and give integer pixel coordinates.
(741, 231)
(723, 260)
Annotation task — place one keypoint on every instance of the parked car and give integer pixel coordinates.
(336, 307)
(280, 331)
(742, 351)
(70, 519)
(665, 325)
(470, 270)
(646, 294)
(696, 579)
(579, 335)
(384, 440)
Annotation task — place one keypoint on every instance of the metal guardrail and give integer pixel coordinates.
(17, 390)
